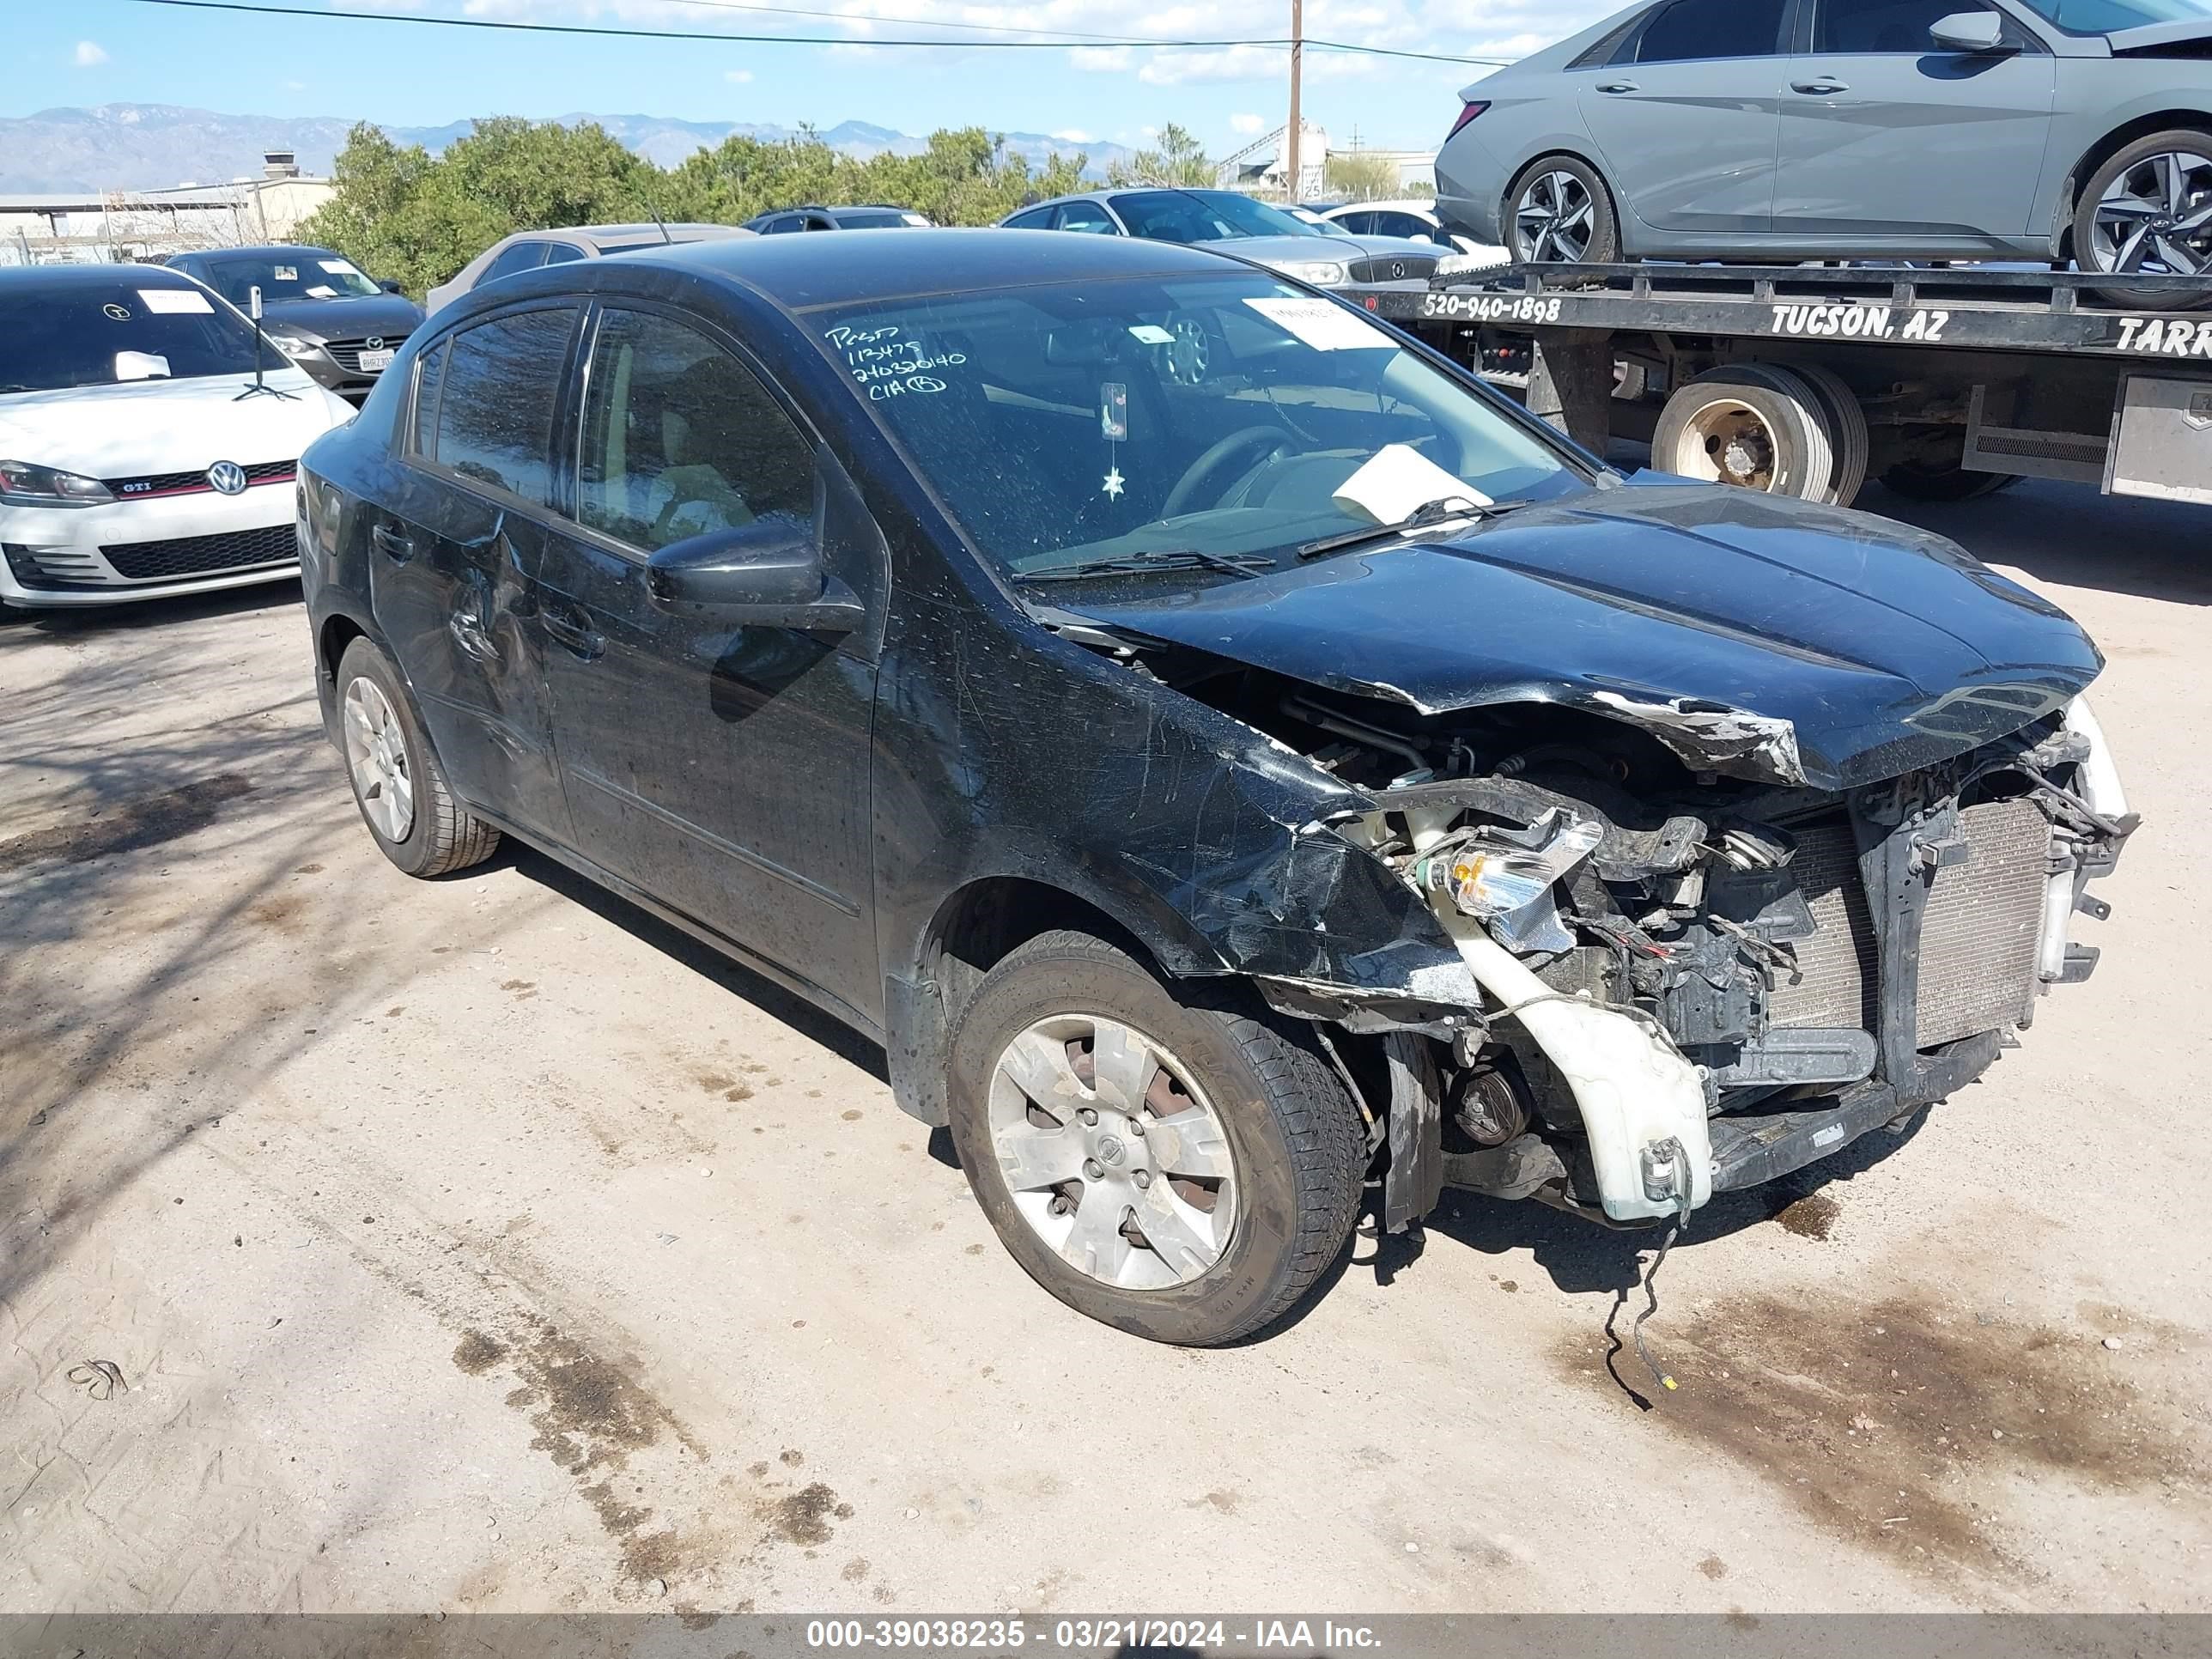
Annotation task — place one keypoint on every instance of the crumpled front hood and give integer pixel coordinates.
(1708, 617)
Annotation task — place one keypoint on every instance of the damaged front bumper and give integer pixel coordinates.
(1876, 966)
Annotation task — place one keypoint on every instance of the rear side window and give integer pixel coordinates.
(429, 375)
(680, 439)
(1035, 219)
(500, 381)
(559, 253)
(523, 255)
(1691, 29)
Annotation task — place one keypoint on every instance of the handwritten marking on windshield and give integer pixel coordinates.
(889, 365)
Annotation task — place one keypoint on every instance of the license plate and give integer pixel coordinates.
(375, 362)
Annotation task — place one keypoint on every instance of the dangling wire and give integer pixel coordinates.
(1651, 1306)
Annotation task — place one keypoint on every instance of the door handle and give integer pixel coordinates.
(1617, 86)
(1822, 87)
(569, 629)
(389, 541)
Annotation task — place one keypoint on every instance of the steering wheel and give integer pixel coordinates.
(1261, 442)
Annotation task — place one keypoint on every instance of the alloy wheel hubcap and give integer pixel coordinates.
(2155, 219)
(376, 756)
(1554, 218)
(1112, 1155)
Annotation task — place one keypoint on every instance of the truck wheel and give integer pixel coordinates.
(1179, 1169)
(1922, 480)
(1560, 209)
(2147, 211)
(1845, 419)
(1752, 425)
(395, 782)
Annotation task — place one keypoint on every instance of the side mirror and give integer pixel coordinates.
(764, 574)
(389, 286)
(1969, 31)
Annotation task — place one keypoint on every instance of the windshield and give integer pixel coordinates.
(100, 336)
(2108, 16)
(310, 274)
(1204, 216)
(1212, 414)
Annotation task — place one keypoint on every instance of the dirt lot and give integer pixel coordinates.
(484, 1244)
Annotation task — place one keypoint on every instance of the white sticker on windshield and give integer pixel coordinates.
(141, 366)
(1324, 324)
(287, 273)
(175, 300)
(322, 291)
(1152, 334)
(339, 267)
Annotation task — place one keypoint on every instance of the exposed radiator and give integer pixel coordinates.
(1977, 943)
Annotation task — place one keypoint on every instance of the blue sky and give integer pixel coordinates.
(356, 65)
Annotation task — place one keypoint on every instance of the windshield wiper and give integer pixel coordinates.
(1238, 564)
(1428, 513)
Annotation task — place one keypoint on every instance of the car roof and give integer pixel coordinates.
(679, 230)
(801, 272)
(269, 250)
(49, 280)
(1392, 204)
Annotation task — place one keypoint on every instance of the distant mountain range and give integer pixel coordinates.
(160, 146)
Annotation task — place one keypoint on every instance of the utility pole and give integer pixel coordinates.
(1298, 64)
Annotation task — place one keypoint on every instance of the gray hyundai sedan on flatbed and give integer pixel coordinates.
(2060, 130)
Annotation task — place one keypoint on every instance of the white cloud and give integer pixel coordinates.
(1247, 125)
(1075, 136)
(295, 86)
(90, 53)
(740, 76)
(1104, 60)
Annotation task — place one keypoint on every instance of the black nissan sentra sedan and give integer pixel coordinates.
(1238, 766)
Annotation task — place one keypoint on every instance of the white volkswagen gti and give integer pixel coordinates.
(148, 438)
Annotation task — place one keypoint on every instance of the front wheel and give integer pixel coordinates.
(2147, 211)
(1179, 1171)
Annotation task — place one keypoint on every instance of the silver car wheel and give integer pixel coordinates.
(1554, 219)
(2156, 218)
(1110, 1152)
(376, 756)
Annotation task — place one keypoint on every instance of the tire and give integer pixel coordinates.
(386, 757)
(1752, 425)
(2135, 173)
(1264, 1118)
(1847, 430)
(1917, 481)
(1538, 201)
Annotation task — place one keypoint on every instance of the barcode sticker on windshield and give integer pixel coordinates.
(179, 301)
(287, 273)
(1324, 324)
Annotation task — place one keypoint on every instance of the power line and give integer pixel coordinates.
(601, 32)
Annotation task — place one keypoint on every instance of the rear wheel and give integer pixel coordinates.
(1752, 425)
(397, 784)
(1559, 209)
(1179, 1170)
(1847, 421)
(2147, 211)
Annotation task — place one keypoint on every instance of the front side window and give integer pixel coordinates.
(77, 335)
(1691, 29)
(523, 255)
(1881, 25)
(1213, 415)
(305, 273)
(1088, 216)
(1035, 219)
(501, 380)
(1204, 216)
(681, 439)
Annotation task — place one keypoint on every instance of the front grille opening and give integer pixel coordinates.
(200, 555)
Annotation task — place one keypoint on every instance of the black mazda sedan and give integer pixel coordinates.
(1240, 768)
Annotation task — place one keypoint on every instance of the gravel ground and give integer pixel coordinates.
(485, 1244)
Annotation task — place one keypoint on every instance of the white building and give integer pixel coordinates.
(60, 227)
